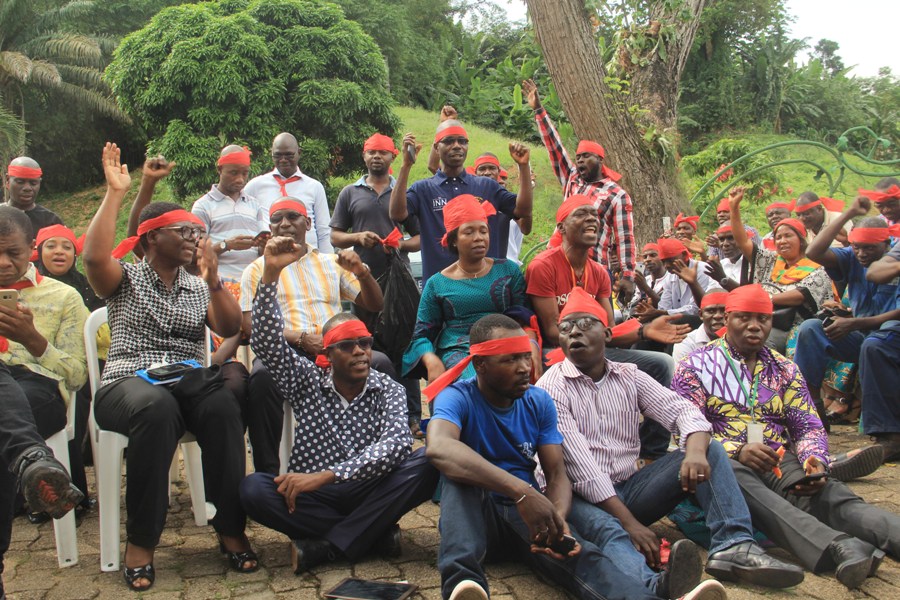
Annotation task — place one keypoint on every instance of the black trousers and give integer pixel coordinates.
(806, 525)
(351, 514)
(154, 418)
(31, 410)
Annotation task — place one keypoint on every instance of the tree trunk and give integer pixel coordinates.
(564, 32)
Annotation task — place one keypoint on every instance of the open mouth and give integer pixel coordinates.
(577, 346)
(357, 364)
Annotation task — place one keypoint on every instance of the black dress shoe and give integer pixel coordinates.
(748, 563)
(855, 560)
(45, 483)
(849, 466)
(683, 572)
(388, 545)
(312, 552)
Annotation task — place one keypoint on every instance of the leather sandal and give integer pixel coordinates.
(133, 574)
(237, 560)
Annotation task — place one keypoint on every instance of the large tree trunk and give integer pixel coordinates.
(564, 32)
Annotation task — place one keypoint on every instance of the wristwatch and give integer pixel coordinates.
(724, 281)
(223, 246)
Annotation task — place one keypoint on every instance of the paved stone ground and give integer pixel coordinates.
(189, 566)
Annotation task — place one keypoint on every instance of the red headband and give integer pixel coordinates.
(348, 330)
(693, 221)
(503, 173)
(873, 235)
(470, 170)
(651, 247)
(24, 172)
(463, 209)
(580, 301)
(487, 160)
(749, 298)
(455, 130)
(879, 197)
(55, 231)
(379, 141)
(670, 248)
(589, 147)
(723, 206)
(288, 204)
(519, 344)
(173, 216)
(714, 299)
(794, 224)
(239, 157)
(784, 205)
(830, 205)
(568, 207)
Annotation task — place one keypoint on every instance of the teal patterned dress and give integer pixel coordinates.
(449, 307)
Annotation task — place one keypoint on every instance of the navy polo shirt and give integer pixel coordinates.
(867, 299)
(425, 200)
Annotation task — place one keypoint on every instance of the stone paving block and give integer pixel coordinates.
(75, 588)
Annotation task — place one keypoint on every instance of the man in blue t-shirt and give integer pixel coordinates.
(872, 304)
(425, 199)
(486, 436)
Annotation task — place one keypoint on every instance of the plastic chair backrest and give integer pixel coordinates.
(94, 322)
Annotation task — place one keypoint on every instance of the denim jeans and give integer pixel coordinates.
(879, 373)
(476, 526)
(655, 490)
(814, 350)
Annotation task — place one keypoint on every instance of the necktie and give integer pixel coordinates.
(282, 182)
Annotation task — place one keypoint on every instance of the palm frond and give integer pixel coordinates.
(44, 74)
(79, 49)
(13, 14)
(83, 76)
(12, 134)
(15, 65)
(54, 17)
(94, 101)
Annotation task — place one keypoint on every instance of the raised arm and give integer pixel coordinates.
(104, 273)
(224, 313)
(154, 170)
(524, 200)
(370, 296)
(737, 226)
(559, 159)
(883, 270)
(820, 248)
(397, 208)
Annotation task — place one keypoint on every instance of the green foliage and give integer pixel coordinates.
(201, 76)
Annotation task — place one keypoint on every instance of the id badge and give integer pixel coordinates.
(754, 433)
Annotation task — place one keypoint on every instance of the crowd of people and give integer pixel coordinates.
(571, 405)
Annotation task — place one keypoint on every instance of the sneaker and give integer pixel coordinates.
(856, 463)
(45, 483)
(708, 590)
(683, 570)
(468, 590)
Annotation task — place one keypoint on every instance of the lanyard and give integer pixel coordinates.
(751, 395)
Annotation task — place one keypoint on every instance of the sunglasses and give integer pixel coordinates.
(347, 346)
(289, 215)
(583, 323)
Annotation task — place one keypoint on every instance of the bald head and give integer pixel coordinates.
(285, 154)
(448, 123)
(230, 149)
(24, 161)
(23, 190)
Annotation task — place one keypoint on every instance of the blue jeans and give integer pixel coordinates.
(879, 373)
(814, 350)
(655, 490)
(475, 526)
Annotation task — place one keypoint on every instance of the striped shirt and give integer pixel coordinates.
(309, 291)
(226, 218)
(310, 192)
(599, 421)
(677, 298)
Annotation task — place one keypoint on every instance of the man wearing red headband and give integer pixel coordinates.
(485, 436)
(763, 415)
(726, 271)
(599, 402)
(234, 220)
(589, 176)
(723, 216)
(158, 314)
(816, 213)
(776, 212)
(286, 179)
(23, 180)
(886, 197)
(712, 314)
(352, 473)
(872, 305)
(684, 285)
(488, 165)
(425, 199)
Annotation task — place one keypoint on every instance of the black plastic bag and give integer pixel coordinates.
(394, 329)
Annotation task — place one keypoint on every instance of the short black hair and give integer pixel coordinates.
(806, 198)
(872, 223)
(885, 183)
(341, 317)
(451, 242)
(483, 329)
(153, 210)
(13, 219)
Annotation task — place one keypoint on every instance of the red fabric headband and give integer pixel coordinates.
(784, 205)
(487, 160)
(693, 221)
(512, 345)
(723, 206)
(455, 130)
(587, 146)
(714, 299)
(749, 298)
(873, 235)
(503, 173)
(240, 157)
(288, 204)
(879, 197)
(55, 231)
(380, 141)
(830, 205)
(24, 172)
(650, 248)
(670, 248)
(580, 301)
(463, 209)
(794, 224)
(470, 170)
(348, 330)
(568, 207)
(173, 216)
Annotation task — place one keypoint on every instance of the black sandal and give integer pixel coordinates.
(237, 560)
(133, 574)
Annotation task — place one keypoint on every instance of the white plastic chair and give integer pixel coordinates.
(108, 448)
(287, 438)
(64, 528)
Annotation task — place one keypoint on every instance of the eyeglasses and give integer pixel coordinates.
(583, 323)
(347, 346)
(280, 216)
(187, 232)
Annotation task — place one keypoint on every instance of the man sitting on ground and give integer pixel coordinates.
(684, 285)
(352, 474)
(762, 414)
(24, 183)
(712, 314)
(817, 213)
(726, 271)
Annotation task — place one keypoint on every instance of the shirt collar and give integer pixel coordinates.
(372, 384)
(763, 355)
(218, 196)
(361, 182)
(297, 173)
(31, 275)
(442, 177)
(570, 371)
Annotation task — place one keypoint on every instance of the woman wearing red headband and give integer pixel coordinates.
(470, 288)
(798, 286)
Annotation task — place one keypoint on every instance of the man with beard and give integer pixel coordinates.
(817, 213)
(775, 214)
(287, 180)
(723, 215)
(712, 313)
(24, 183)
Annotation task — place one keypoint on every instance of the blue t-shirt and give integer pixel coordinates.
(425, 199)
(508, 438)
(867, 299)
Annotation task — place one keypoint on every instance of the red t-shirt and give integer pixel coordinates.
(549, 275)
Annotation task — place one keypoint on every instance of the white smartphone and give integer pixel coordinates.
(9, 298)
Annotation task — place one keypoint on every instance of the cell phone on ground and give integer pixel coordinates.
(563, 545)
(364, 589)
(169, 371)
(9, 298)
(809, 479)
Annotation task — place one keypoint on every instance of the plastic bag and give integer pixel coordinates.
(394, 329)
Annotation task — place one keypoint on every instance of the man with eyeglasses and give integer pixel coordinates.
(286, 179)
(352, 473)
(310, 291)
